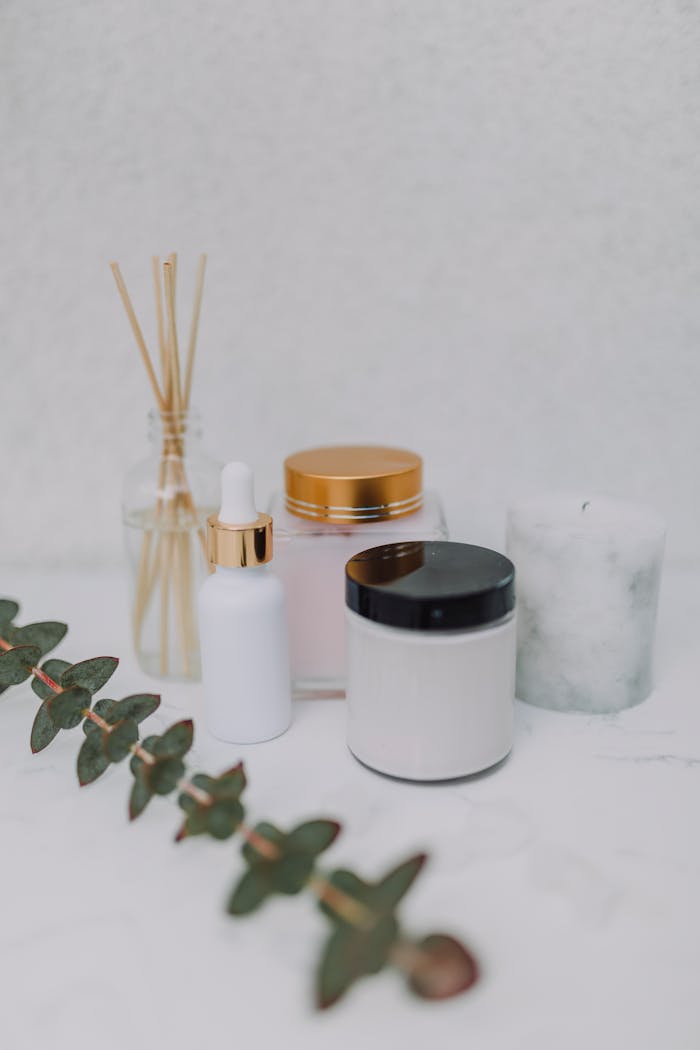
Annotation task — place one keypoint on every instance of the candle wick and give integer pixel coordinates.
(586, 505)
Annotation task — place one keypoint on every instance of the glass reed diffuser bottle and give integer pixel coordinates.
(168, 496)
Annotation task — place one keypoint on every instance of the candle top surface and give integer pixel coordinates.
(581, 514)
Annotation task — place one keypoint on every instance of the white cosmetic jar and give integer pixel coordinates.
(431, 658)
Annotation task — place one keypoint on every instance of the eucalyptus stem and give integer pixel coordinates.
(345, 907)
(365, 935)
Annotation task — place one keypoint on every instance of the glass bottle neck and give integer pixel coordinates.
(175, 426)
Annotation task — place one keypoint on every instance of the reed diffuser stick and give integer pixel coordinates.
(155, 264)
(165, 567)
(194, 328)
(140, 342)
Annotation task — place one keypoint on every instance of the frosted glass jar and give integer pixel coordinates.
(431, 659)
(337, 501)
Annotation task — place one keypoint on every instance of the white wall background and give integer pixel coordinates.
(471, 227)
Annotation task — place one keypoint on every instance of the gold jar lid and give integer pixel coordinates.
(344, 483)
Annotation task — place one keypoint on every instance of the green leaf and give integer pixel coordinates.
(66, 708)
(382, 897)
(163, 777)
(335, 975)
(223, 818)
(314, 836)
(189, 804)
(139, 706)
(147, 745)
(92, 760)
(252, 889)
(195, 823)
(90, 674)
(44, 635)
(229, 785)
(16, 664)
(446, 968)
(8, 611)
(105, 709)
(175, 741)
(351, 885)
(141, 795)
(266, 831)
(288, 872)
(117, 743)
(397, 883)
(292, 872)
(351, 953)
(44, 728)
(222, 814)
(135, 708)
(54, 669)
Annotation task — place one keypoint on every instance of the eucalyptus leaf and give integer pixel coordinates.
(175, 741)
(195, 823)
(314, 836)
(249, 893)
(396, 884)
(16, 664)
(8, 611)
(140, 796)
(266, 831)
(139, 706)
(335, 974)
(381, 897)
(351, 953)
(44, 729)
(105, 709)
(351, 885)
(189, 804)
(90, 674)
(230, 784)
(92, 760)
(118, 743)
(67, 708)
(54, 669)
(224, 818)
(221, 814)
(289, 871)
(207, 783)
(163, 776)
(292, 872)
(44, 635)
(135, 708)
(148, 744)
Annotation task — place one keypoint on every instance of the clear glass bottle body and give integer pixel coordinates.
(310, 558)
(166, 499)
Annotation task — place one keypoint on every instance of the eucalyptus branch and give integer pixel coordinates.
(365, 935)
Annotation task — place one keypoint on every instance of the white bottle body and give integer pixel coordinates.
(245, 655)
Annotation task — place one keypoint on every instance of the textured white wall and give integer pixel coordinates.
(468, 227)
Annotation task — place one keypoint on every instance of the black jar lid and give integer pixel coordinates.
(430, 586)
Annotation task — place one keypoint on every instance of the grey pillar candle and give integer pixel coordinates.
(588, 581)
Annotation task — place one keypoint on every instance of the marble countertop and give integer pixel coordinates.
(572, 871)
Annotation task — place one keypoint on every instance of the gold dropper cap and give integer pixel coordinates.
(239, 546)
(238, 537)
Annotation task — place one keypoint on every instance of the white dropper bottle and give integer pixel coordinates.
(242, 621)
